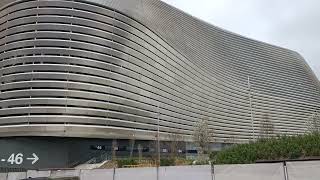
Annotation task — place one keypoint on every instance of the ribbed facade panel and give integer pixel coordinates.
(111, 68)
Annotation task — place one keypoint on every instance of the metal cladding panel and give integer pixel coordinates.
(111, 68)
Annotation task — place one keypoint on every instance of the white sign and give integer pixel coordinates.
(18, 158)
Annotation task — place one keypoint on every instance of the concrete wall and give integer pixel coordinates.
(270, 171)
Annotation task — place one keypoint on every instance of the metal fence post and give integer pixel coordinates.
(212, 172)
(285, 171)
(157, 172)
(114, 173)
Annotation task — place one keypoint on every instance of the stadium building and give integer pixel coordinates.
(77, 74)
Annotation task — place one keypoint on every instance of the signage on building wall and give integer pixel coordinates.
(19, 158)
(98, 147)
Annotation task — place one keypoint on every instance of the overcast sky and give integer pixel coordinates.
(293, 24)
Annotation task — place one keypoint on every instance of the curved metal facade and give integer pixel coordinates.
(111, 68)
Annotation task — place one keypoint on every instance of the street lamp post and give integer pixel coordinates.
(158, 143)
(251, 112)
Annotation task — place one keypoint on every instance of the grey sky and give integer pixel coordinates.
(293, 24)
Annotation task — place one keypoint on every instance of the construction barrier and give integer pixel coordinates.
(299, 170)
